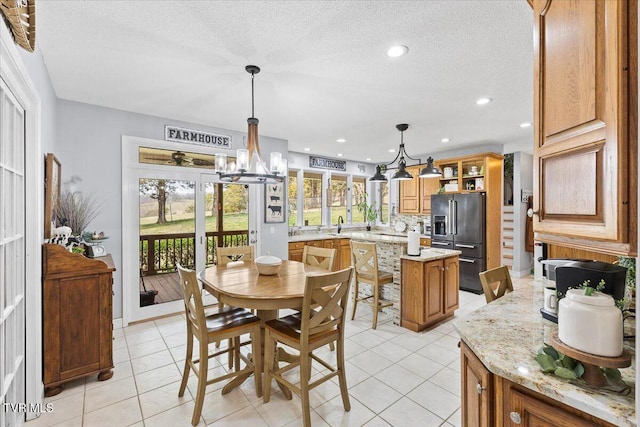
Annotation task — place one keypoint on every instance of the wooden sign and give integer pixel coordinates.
(190, 136)
(326, 163)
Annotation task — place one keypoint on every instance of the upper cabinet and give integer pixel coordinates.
(479, 172)
(585, 115)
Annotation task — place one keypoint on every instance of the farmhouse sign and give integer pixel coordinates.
(190, 136)
(325, 163)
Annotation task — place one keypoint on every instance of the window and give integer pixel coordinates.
(358, 195)
(383, 200)
(312, 200)
(338, 195)
(292, 196)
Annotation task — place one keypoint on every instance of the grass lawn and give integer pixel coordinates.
(187, 225)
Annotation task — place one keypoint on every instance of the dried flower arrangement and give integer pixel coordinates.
(76, 210)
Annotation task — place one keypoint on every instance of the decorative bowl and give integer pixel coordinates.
(268, 265)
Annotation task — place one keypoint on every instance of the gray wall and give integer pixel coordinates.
(89, 146)
(40, 76)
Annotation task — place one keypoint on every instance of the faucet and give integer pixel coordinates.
(340, 222)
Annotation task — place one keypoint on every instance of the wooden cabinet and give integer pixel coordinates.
(425, 241)
(333, 244)
(345, 253)
(428, 186)
(415, 194)
(429, 292)
(410, 193)
(295, 250)
(585, 117)
(490, 400)
(478, 172)
(477, 390)
(77, 317)
(451, 284)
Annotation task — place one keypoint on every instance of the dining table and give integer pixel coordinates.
(239, 284)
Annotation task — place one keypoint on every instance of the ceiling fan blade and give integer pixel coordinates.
(202, 162)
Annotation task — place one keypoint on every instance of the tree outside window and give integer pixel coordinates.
(338, 196)
(358, 196)
(312, 200)
(292, 197)
(384, 202)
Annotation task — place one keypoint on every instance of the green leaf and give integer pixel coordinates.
(567, 362)
(546, 362)
(613, 374)
(565, 373)
(588, 291)
(551, 352)
(578, 370)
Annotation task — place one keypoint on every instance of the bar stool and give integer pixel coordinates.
(489, 278)
(364, 258)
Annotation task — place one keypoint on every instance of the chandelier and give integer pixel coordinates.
(249, 168)
(429, 171)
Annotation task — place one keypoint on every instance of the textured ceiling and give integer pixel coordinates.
(324, 74)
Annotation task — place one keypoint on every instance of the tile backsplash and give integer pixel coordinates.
(411, 220)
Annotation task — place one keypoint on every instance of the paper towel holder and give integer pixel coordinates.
(413, 243)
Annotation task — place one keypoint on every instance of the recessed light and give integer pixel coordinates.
(445, 140)
(392, 150)
(341, 140)
(307, 149)
(483, 101)
(396, 51)
(368, 159)
(339, 154)
(525, 125)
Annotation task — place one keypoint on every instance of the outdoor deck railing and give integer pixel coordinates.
(159, 253)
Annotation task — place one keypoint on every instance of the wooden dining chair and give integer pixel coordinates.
(495, 283)
(229, 323)
(322, 258)
(308, 330)
(319, 257)
(227, 254)
(364, 258)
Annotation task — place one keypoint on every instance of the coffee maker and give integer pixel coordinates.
(571, 273)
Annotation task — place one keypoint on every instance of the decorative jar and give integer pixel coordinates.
(590, 323)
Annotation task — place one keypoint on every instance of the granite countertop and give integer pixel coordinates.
(357, 235)
(431, 254)
(506, 335)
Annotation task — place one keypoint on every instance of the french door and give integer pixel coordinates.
(175, 214)
(12, 257)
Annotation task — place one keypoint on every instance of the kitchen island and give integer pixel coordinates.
(502, 384)
(391, 247)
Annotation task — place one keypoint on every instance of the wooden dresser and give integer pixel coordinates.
(77, 317)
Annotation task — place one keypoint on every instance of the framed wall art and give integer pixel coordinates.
(274, 203)
(52, 181)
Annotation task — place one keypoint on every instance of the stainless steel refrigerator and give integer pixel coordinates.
(458, 222)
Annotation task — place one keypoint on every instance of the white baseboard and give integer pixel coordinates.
(117, 323)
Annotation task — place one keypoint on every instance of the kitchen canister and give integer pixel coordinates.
(448, 172)
(590, 323)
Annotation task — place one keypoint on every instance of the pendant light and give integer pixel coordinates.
(430, 171)
(401, 174)
(249, 167)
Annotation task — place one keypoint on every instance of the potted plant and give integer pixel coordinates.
(370, 212)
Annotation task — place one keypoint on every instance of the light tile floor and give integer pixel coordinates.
(395, 377)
